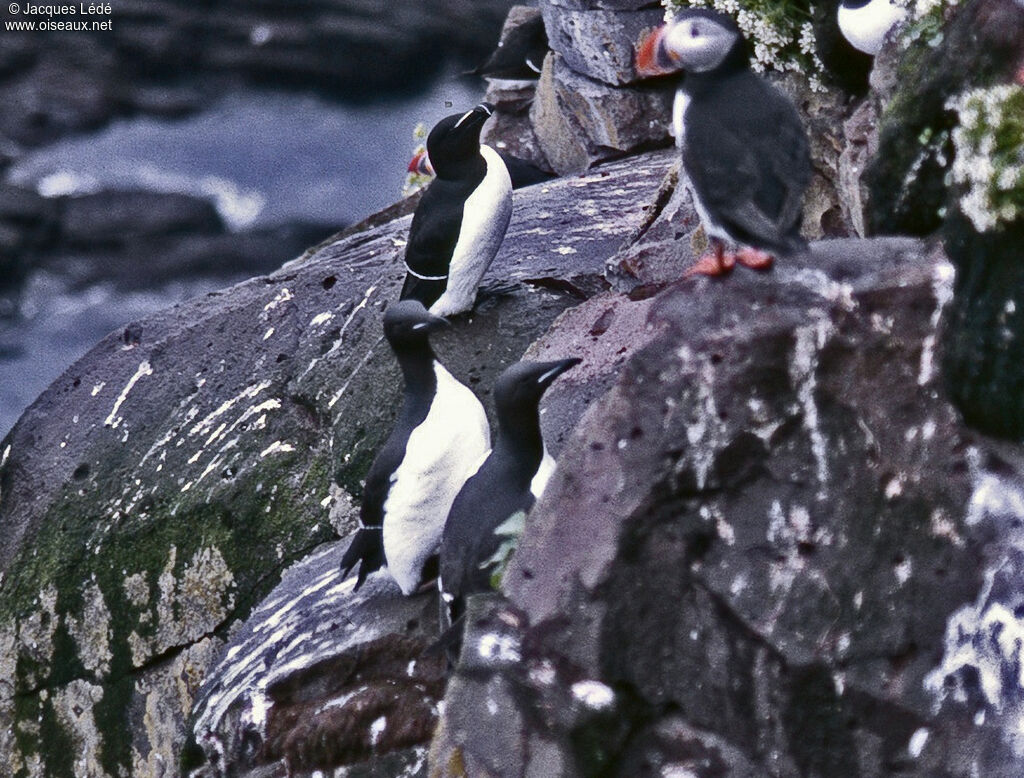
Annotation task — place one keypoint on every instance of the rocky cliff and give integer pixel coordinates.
(772, 545)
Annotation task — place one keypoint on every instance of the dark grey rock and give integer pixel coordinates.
(321, 678)
(773, 548)
(580, 121)
(600, 43)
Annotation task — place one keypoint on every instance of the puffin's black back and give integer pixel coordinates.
(748, 158)
(416, 358)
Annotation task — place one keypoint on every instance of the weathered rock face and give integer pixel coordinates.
(580, 121)
(320, 677)
(771, 549)
(154, 493)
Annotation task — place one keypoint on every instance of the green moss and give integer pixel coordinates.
(258, 523)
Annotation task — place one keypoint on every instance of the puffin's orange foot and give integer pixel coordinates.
(754, 259)
(712, 264)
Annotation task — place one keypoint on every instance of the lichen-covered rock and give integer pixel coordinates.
(797, 559)
(320, 677)
(153, 494)
(951, 157)
(949, 50)
(600, 43)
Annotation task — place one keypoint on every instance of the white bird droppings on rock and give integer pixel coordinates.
(593, 694)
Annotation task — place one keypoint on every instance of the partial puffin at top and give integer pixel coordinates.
(865, 23)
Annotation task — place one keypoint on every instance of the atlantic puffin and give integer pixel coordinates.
(745, 153)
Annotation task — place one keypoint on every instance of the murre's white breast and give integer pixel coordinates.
(543, 475)
(442, 453)
(865, 27)
(485, 219)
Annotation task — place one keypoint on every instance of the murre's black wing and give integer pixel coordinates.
(367, 547)
(432, 238)
(469, 541)
(749, 161)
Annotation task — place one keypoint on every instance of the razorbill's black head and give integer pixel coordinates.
(510, 480)
(461, 218)
(454, 143)
(865, 23)
(744, 150)
(521, 172)
(440, 436)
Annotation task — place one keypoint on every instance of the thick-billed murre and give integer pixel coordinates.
(511, 478)
(440, 436)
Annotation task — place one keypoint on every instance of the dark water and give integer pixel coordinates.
(264, 159)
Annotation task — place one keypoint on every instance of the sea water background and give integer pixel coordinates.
(263, 158)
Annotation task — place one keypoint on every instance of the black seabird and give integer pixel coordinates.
(511, 478)
(440, 437)
(744, 150)
(461, 219)
(520, 56)
(865, 23)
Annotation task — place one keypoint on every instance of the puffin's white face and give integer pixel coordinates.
(698, 44)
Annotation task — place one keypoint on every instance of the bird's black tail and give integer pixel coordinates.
(366, 547)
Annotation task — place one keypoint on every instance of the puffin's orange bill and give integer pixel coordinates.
(420, 164)
(651, 59)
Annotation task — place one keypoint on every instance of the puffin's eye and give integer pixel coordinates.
(694, 31)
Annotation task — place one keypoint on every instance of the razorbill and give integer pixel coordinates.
(744, 150)
(440, 437)
(461, 219)
(511, 478)
(865, 23)
(520, 171)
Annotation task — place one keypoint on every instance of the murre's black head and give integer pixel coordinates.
(697, 40)
(454, 143)
(518, 390)
(408, 324)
